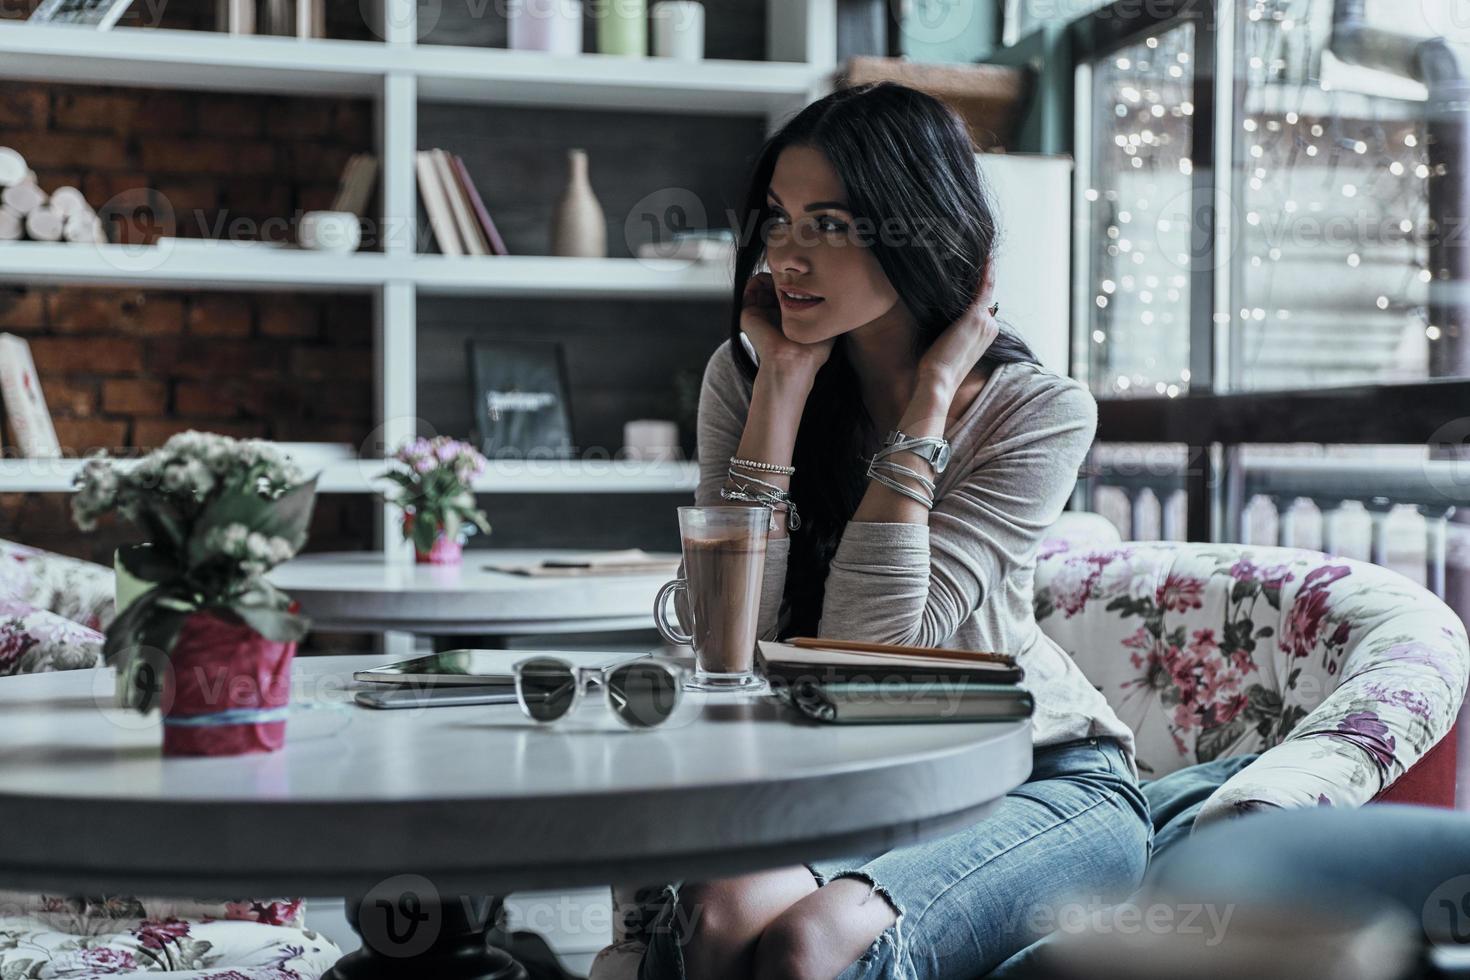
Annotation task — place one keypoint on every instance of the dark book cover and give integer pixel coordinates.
(492, 234)
(910, 701)
(521, 403)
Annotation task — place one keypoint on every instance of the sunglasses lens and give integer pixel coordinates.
(547, 688)
(644, 695)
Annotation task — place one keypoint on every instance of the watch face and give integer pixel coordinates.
(942, 459)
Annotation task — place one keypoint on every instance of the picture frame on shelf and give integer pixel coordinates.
(521, 401)
(101, 14)
(25, 404)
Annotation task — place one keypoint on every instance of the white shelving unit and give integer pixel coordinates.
(359, 476)
(398, 74)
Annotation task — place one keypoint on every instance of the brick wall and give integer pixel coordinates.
(123, 369)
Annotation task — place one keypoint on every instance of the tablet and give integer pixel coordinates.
(479, 667)
(431, 697)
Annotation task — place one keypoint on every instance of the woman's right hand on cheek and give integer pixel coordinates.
(760, 320)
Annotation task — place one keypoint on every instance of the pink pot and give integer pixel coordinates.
(231, 688)
(446, 551)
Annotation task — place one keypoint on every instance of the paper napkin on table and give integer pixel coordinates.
(630, 561)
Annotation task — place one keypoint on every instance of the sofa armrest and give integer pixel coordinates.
(1403, 683)
(81, 591)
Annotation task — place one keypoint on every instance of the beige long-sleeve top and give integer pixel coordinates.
(964, 580)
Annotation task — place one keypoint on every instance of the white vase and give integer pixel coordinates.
(578, 226)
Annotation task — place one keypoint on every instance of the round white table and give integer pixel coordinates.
(468, 800)
(364, 591)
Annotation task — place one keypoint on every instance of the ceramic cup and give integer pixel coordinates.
(329, 231)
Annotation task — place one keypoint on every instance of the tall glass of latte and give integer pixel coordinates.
(724, 560)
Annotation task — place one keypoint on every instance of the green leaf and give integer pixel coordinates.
(1043, 605)
(143, 686)
(272, 623)
(143, 561)
(287, 516)
(425, 529)
(125, 628)
(1213, 741)
(451, 524)
(1262, 702)
(163, 528)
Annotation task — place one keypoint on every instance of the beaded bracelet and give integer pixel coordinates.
(757, 465)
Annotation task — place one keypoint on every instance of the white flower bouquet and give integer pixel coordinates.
(218, 514)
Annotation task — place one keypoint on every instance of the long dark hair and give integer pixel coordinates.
(905, 157)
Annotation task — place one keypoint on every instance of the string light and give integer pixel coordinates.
(1298, 159)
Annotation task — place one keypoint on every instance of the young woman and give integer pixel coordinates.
(930, 450)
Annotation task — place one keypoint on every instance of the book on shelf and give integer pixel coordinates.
(25, 405)
(842, 681)
(436, 203)
(355, 189)
(459, 205)
(487, 224)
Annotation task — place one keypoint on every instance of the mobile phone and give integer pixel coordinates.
(435, 697)
(749, 349)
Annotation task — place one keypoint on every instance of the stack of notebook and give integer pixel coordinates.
(843, 681)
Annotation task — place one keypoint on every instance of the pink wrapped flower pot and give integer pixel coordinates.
(231, 689)
(445, 550)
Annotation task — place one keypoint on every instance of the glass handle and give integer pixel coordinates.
(660, 613)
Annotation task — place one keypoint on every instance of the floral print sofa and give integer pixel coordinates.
(52, 612)
(1344, 675)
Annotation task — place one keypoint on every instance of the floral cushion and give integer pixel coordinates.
(49, 937)
(1341, 673)
(34, 640)
(80, 591)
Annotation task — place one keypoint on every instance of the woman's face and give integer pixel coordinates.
(813, 247)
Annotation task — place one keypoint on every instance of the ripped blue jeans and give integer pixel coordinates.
(1073, 836)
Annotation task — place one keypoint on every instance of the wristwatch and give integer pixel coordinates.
(934, 449)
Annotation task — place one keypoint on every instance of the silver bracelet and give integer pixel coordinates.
(897, 487)
(768, 493)
(793, 520)
(775, 499)
(770, 487)
(758, 466)
(749, 499)
(890, 466)
(911, 444)
(878, 470)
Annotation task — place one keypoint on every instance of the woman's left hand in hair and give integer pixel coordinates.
(959, 348)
